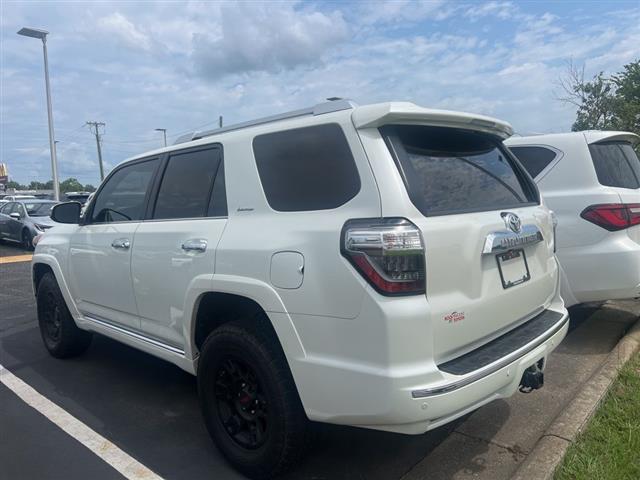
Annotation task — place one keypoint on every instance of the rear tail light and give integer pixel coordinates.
(613, 216)
(388, 253)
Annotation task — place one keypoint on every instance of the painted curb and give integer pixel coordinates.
(548, 453)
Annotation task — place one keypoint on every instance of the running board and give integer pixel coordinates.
(156, 343)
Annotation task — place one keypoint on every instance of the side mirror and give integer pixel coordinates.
(68, 212)
(15, 215)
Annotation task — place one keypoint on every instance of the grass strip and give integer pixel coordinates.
(609, 448)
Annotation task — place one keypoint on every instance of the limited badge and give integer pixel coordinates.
(454, 317)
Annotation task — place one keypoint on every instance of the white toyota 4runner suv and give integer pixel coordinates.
(383, 266)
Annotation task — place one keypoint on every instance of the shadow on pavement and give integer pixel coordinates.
(149, 408)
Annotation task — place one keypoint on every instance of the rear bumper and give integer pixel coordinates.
(608, 270)
(499, 353)
(435, 406)
(413, 399)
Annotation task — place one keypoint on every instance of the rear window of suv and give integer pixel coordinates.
(534, 159)
(450, 171)
(616, 164)
(304, 169)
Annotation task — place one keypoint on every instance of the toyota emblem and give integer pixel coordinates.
(512, 222)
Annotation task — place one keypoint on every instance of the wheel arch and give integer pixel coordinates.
(43, 263)
(231, 298)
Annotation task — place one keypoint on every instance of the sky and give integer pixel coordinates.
(138, 66)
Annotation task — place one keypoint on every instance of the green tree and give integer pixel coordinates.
(89, 188)
(604, 103)
(627, 109)
(70, 185)
(15, 185)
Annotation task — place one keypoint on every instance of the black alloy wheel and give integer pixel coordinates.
(241, 402)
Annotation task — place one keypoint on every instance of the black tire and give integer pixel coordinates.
(61, 337)
(27, 240)
(269, 440)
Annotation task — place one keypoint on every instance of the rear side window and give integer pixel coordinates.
(534, 159)
(457, 171)
(616, 164)
(308, 168)
(123, 196)
(187, 184)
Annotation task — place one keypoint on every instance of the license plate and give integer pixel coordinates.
(513, 268)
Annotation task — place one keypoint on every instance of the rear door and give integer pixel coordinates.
(174, 249)
(488, 251)
(14, 225)
(618, 168)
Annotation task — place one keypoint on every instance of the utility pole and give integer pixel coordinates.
(164, 132)
(95, 129)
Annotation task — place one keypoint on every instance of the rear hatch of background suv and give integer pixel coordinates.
(465, 185)
(618, 168)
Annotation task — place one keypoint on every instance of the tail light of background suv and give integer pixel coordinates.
(613, 216)
(387, 252)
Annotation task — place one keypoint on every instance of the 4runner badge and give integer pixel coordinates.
(454, 317)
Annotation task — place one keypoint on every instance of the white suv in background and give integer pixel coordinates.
(383, 266)
(591, 180)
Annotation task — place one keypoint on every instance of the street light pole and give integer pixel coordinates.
(42, 35)
(164, 132)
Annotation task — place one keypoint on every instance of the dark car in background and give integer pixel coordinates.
(80, 197)
(22, 220)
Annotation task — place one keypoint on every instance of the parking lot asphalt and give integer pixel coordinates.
(149, 409)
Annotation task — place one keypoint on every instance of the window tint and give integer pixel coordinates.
(616, 164)
(307, 168)
(123, 196)
(534, 159)
(454, 171)
(187, 184)
(6, 209)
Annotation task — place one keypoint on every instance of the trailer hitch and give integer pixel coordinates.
(533, 378)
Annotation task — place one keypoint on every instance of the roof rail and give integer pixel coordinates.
(333, 105)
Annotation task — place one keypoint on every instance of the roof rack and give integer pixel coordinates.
(334, 104)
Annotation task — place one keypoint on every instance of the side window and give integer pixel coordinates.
(123, 196)
(616, 164)
(6, 209)
(18, 208)
(187, 186)
(308, 168)
(534, 159)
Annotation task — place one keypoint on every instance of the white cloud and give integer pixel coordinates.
(404, 11)
(122, 28)
(501, 10)
(262, 37)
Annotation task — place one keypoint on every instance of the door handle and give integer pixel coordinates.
(121, 243)
(195, 245)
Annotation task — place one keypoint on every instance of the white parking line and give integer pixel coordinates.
(128, 466)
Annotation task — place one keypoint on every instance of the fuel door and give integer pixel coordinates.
(287, 269)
